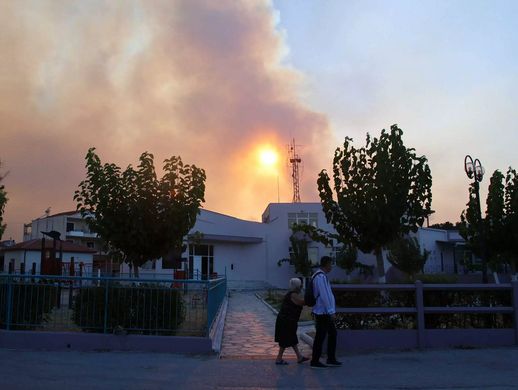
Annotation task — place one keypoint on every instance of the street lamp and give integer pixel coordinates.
(474, 170)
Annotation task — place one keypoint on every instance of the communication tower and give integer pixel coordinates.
(295, 160)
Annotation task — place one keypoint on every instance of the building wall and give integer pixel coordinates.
(35, 257)
(80, 235)
(441, 258)
(248, 252)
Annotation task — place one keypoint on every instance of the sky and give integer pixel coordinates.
(217, 82)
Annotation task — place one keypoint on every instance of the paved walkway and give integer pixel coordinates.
(249, 330)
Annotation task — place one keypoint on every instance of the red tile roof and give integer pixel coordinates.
(35, 245)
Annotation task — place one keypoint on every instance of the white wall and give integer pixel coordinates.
(255, 263)
(35, 257)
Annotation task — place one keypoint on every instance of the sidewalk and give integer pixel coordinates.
(247, 355)
(445, 369)
(249, 330)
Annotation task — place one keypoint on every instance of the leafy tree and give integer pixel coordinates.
(383, 191)
(493, 224)
(136, 214)
(347, 259)
(471, 222)
(405, 254)
(303, 234)
(446, 225)
(511, 218)
(3, 202)
(493, 237)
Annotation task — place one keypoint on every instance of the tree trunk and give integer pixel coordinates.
(135, 269)
(380, 265)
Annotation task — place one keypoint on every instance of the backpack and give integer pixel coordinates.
(309, 297)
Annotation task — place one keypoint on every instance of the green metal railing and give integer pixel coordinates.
(110, 305)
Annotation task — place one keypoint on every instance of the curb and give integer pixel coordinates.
(218, 327)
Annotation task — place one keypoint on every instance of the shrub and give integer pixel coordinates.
(30, 302)
(436, 278)
(144, 309)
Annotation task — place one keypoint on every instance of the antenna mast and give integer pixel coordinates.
(295, 160)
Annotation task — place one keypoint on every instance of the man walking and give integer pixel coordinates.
(324, 314)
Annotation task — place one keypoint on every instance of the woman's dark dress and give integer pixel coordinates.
(287, 322)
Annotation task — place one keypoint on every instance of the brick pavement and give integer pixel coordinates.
(249, 330)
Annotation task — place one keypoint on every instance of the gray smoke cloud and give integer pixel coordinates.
(199, 79)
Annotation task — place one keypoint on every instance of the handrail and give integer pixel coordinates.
(101, 278)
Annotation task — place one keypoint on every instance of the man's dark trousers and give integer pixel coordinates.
(324, 325)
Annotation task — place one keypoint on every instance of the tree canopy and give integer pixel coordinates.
(3, 202)
(493, 237)
(136, 214)
(379, 192)
(405, 254)
(446, 225)
(304, 234)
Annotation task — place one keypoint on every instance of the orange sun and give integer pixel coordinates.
(268, 157)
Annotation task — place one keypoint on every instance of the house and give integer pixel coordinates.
(248, 252)
(447, 250)
(71, 226)
(27, 256)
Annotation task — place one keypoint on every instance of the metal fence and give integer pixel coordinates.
(110, 305)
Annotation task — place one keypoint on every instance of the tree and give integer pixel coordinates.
(302, 235)
(136, 214)
(382, 190)
(493, 237)
(471, 223)
(405, 254)
(446, 225)
(493, 224)
(3, 202)
(511, 218)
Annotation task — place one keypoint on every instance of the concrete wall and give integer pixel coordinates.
(75, 341)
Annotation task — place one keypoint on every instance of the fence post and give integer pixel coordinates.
(514, 283)
(81, 274)
(419, 305)
(209, 302)
(9, 306)
(106, 285)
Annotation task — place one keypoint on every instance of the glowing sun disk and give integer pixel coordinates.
(268, 157)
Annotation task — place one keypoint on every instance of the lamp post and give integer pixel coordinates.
(474, 170)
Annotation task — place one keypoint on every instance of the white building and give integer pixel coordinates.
(28, 254)
(248, 252)
(72, 227)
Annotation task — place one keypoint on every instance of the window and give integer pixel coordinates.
(90, 244)
(313, 255)
(303, 218)
(70, 226)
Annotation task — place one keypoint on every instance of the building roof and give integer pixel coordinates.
(229, 238)
(35, 245)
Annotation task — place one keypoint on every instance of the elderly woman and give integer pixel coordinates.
(287, 322)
